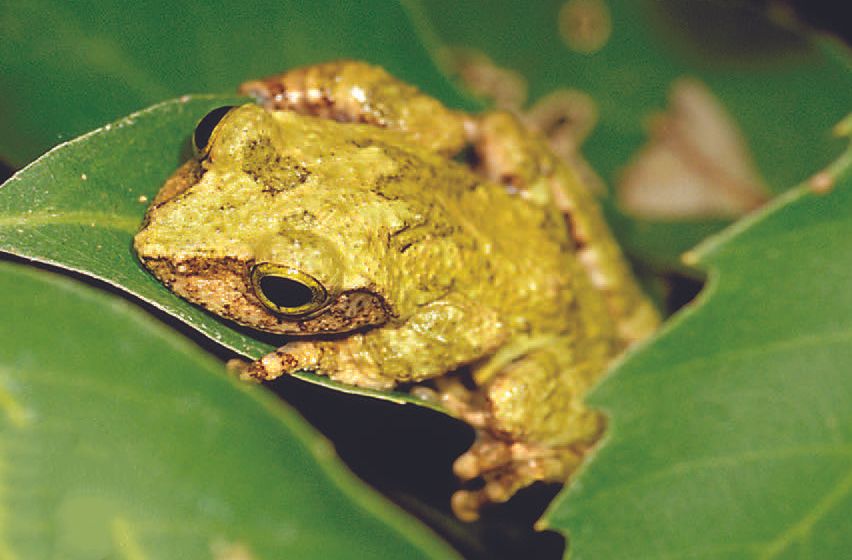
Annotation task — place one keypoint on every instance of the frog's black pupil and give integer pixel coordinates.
(207, 124)
(285, 293)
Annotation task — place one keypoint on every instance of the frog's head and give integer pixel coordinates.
(275, 225)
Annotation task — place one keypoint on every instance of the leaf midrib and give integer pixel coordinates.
(125, 224)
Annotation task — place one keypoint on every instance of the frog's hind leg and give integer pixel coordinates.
(530, 422)
(510, 154)
(505, 468)
(353, 91)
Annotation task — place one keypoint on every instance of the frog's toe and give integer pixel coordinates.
(506, 467)
(461, 402)
(467, 503)
(485, 455)
(499, 487)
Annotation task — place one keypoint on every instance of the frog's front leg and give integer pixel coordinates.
(343, 360)
(354, 91)
(437, 338)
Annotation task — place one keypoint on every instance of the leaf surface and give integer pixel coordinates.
(145, 448)
(731, 432)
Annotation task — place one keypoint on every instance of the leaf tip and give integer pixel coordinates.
(690, 258)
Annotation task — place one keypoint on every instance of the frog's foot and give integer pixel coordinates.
(505, 467)
(461, 402)
(503, 463)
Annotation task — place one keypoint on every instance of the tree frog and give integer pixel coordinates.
(396, 243)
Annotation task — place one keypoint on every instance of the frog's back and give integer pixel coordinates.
(474, 237)
(517, 256)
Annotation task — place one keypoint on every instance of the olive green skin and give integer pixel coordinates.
(455, 268)
(428, 266)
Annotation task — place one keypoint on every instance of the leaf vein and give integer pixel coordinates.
(684, 467)
(801, 530)
(706, 361)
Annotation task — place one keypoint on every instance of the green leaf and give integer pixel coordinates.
(69, 67)
(783, 87)
(731, 433)
(79, 205)
(143, 448)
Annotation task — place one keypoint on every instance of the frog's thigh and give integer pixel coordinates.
(513, 156)
(353, 91)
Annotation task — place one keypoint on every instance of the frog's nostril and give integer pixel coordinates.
(205, 127)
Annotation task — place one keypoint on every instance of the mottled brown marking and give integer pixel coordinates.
(263, 163)
(227, 291)
(353, 91)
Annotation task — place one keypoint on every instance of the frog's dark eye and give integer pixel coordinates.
(206, 126)
(287, 291)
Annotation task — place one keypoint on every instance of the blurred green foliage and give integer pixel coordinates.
(729, 436)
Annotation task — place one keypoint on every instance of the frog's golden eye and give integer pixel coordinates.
(287, 291)
(206, 128)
